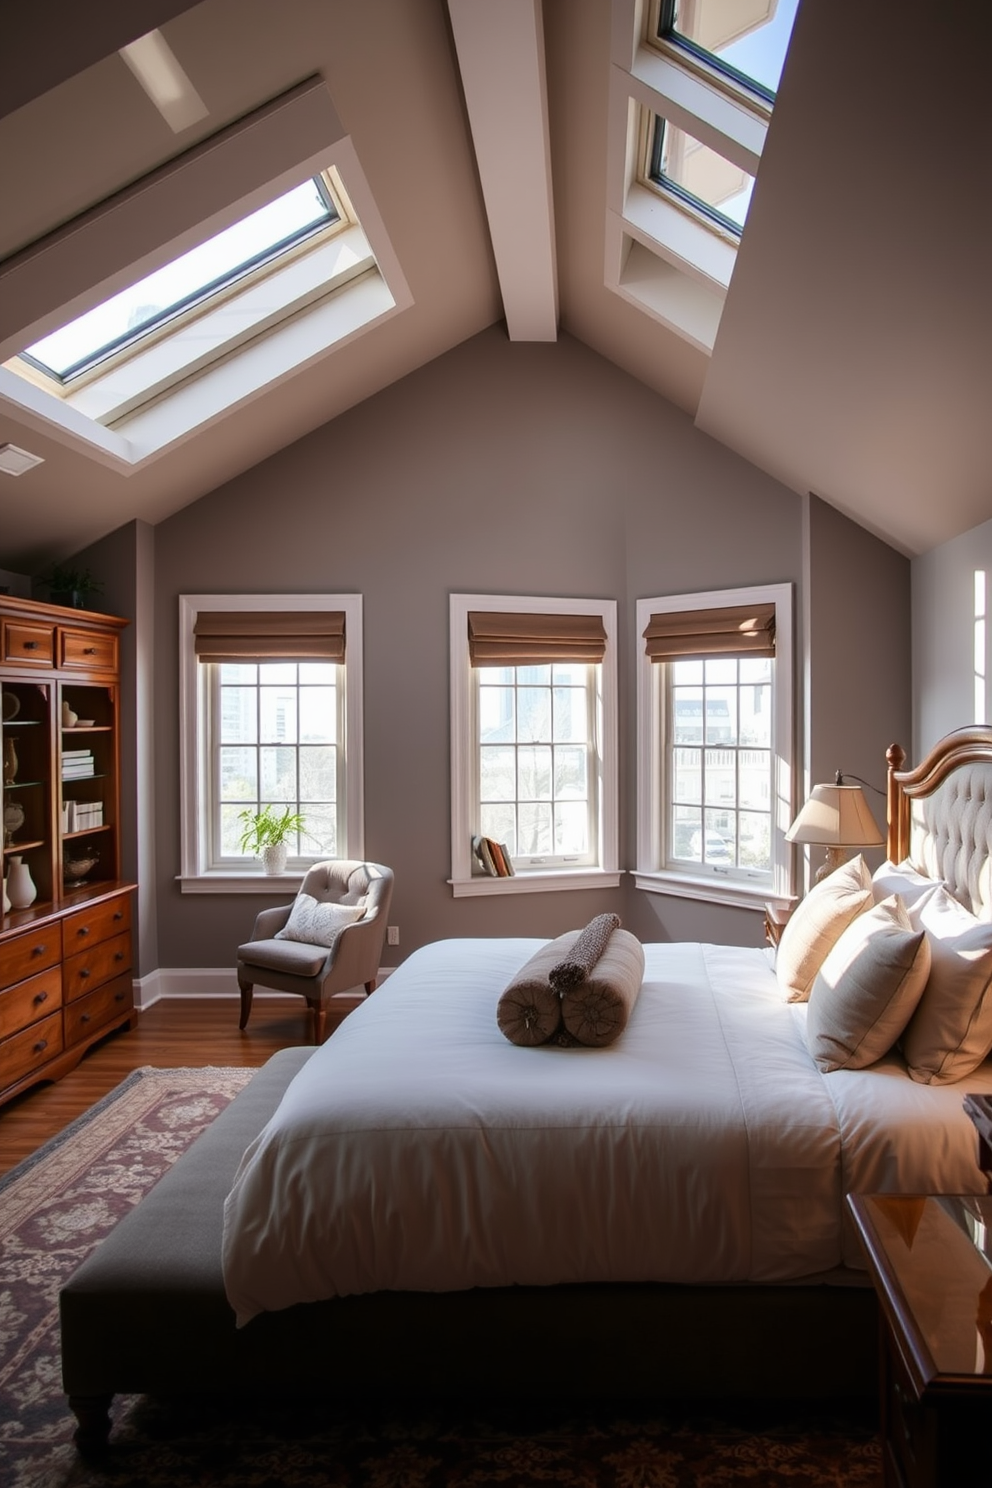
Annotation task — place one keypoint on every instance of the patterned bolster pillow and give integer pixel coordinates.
(529, 1011)
(586, 951)
(596, 1011)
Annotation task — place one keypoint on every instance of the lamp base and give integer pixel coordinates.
(836, 858)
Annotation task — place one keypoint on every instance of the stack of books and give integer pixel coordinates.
(77, 764)
(493, 856)
(81, 816)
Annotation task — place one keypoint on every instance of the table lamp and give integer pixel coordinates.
(838, 818)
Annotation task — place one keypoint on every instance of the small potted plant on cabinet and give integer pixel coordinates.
(71, 586)
(266, 834)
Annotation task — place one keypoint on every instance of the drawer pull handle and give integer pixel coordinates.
(30, 645)
(84, 1017)
(89, 650)
(39, 950)
(40, 1046)
(118, 955)
(119, 996)
(118, 914)
(83, 930)
(39, 998)
(83, 974)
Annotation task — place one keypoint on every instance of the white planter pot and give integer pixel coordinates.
(274, 858)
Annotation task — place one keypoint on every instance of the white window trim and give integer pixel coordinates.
(194, 876)
(650, 873)
(660, 255)
(531, 881)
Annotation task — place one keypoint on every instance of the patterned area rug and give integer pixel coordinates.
(57, 1206)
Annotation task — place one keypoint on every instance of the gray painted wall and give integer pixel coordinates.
(944, 637)
(856, 609)
(502, 468)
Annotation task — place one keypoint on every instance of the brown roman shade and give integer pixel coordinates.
(269, 635)
(733, 630)
(498, 639)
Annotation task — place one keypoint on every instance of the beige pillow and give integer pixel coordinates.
(951, 1031)
(867, 989)
(817, 922)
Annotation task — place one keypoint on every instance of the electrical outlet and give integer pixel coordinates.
(392, 934)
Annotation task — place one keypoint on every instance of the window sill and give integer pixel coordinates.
(732, 892)
(535, 883)
(241, 883)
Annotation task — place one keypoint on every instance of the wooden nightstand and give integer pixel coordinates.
(776, 920)
(931, 1265)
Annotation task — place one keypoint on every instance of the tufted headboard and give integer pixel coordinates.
(940, 814)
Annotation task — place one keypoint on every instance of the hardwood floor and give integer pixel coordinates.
(171, 1034)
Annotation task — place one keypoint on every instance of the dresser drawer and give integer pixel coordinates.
(89, 1013)
(24, 1004)
(25, 954)
(26, 642)
(96, 965)
(29, 1050)
(88, 652)
(98, 921)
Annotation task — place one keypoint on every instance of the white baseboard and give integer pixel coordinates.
(200, 981)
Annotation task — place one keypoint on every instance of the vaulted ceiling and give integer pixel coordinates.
(854, 351)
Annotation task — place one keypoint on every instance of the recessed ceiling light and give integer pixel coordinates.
(157, 69)
(14, 461)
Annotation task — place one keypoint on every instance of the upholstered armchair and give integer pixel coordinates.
(339, 916)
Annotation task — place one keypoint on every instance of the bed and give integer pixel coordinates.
(449, 1212)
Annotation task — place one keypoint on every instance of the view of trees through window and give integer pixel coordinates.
(720, 732)
(278, 743)
(535, 743)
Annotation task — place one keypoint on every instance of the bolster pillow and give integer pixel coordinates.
(529, 1011)
(586, 951)
(597, 1009)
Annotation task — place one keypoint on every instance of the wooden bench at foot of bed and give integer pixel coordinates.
(147, 1314)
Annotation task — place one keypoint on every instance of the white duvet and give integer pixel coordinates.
(419, 1150)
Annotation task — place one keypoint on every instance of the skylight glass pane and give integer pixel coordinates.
(700, 176)
(748, 38)
(187, 280)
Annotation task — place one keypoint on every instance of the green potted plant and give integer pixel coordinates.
(71, 586)
(266, 835)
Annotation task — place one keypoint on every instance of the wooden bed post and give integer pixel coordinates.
(897, 807)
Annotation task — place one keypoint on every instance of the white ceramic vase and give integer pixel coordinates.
(21, 890)
(6, 901)
(274, 858)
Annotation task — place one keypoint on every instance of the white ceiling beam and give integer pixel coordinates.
(501, 58)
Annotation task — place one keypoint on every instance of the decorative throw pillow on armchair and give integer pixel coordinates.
(318, 922)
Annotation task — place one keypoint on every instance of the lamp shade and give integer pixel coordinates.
(835, 816)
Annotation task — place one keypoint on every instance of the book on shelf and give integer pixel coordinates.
(81, 816)
(78, 772)
(493, 856)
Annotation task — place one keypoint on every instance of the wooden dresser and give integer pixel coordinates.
(65, 957)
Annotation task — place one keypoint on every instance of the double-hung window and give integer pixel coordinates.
(533, 729)
(271, 716)
(715, 734)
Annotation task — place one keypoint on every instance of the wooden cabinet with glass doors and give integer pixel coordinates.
(65, 942)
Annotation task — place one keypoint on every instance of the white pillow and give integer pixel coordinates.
(867, 989)
(904, 879)
(817, 922)
(951, 1031)
(318, 922)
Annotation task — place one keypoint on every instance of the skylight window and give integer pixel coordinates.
(701, 178)
(744, 40)
(189, 280)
